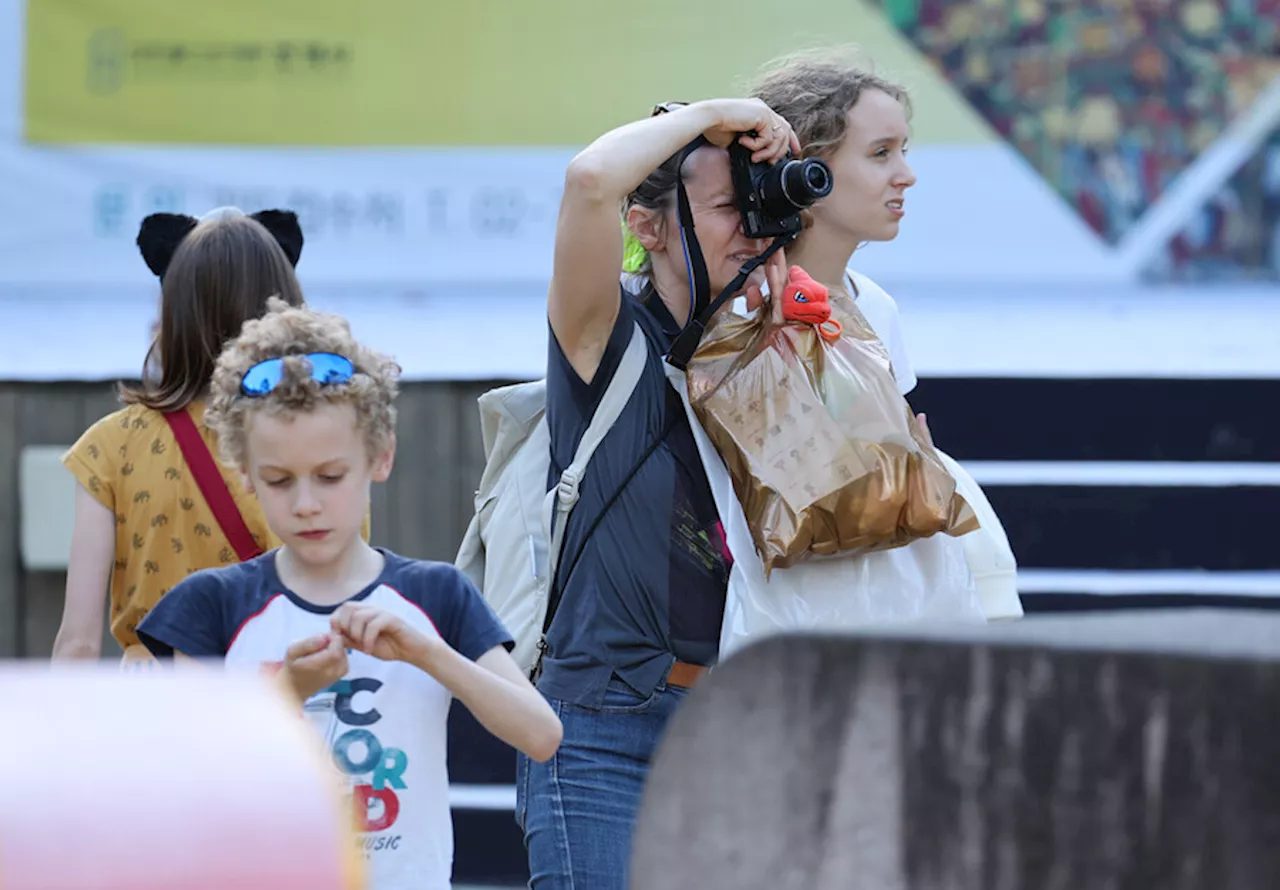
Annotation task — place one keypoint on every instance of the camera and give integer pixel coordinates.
(771, 196)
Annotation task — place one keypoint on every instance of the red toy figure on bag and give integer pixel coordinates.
(806, 301)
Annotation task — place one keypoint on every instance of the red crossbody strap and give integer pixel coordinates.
(212, 485)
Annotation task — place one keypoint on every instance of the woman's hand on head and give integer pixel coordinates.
(774, 136)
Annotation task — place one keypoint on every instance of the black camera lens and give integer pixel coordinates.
(817, 178)
(771, 196)
(795, 185)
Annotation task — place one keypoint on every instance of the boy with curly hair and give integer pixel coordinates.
(373, 645)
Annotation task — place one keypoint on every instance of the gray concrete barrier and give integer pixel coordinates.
(1107, 752)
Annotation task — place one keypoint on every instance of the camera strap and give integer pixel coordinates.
(684, 346)
(701, 306)
(696, 265)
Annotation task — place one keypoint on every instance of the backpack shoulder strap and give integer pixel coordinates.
(211, 484)
(562, 499)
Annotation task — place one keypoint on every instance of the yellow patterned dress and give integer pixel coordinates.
(131, 463)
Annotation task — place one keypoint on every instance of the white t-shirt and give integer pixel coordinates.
(384, 722)
(881, 312)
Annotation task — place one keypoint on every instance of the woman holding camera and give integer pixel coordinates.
(644, 569)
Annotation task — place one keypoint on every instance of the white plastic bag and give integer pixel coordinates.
(991, 560)
(926, 580)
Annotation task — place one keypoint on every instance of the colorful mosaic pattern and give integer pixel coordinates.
(1236, 234)
(1111, 99)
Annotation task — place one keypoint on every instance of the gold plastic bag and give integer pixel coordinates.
(825, 454)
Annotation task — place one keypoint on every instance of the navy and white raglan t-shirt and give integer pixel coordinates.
(385, 721)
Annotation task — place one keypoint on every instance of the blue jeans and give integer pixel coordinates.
(578, 809)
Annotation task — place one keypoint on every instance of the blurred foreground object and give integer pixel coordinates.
(1131, 752)
(195, 779)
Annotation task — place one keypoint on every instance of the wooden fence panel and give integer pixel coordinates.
(421, 512)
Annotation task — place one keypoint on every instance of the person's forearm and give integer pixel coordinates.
(76, 647)
(517, 714)
(612, 166)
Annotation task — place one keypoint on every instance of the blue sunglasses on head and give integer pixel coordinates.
(327, 369)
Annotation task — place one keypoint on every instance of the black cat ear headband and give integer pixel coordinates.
(161, 233)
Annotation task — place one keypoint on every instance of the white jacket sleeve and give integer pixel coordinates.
(881, 312)
(987, 550)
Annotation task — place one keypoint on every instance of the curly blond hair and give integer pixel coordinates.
(814, 90)
(291, 332)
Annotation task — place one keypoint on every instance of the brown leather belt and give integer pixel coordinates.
(684, 675)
